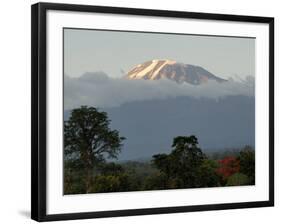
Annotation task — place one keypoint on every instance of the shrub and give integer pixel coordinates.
(228, 166)
(238, 179)
(110, 183)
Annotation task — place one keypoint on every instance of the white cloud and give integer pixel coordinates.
(99, 90)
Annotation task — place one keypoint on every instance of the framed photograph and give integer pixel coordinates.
(140, 111)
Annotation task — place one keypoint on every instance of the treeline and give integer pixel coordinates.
(89, 141)
(138, 176)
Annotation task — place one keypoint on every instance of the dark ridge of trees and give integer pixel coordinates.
(88, 142)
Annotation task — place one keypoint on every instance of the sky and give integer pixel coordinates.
(115, 52)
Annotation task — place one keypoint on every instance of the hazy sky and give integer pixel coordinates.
(113, 51)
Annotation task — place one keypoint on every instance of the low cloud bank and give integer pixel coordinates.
(99, 90)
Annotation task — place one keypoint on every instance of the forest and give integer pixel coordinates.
(91, 163)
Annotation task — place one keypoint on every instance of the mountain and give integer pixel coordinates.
(179, 72)
(150, 125)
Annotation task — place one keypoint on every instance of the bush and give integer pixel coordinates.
(110, 183)
(228, 166)
(238, 179)
(157, 181)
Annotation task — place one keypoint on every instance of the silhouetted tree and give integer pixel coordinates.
(182, 165)
(88, 140)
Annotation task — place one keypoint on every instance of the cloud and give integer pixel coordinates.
(99, 90)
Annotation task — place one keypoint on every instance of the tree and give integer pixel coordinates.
(247, 163)
(208, 175)
(228, 166)
(88, 140)
(182, 165)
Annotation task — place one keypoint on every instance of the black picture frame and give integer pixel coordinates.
(39, 122)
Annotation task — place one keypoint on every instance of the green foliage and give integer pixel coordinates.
(238, 179)
(110, 183)
(88, 139)
(182, 166)
(207, 175)
(110, 169)
(138, 173)
(156, 181)
(72, 181)
(247, 163)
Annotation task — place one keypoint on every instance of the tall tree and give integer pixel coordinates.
(182, 165)
(88, 140)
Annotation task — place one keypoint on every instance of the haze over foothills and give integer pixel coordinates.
(201, 85)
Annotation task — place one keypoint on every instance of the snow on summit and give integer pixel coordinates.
(163, 68)
(149, 69)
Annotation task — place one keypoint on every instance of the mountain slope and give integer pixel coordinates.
(179, 72)
(150, 126)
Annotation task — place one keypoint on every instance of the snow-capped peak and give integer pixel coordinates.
(163, 68)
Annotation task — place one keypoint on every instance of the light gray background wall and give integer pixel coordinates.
(15, 110)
